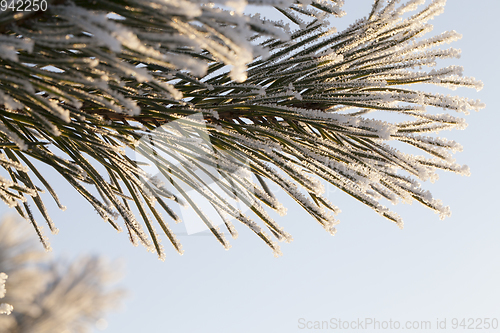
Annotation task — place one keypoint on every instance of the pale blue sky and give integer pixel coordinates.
(431, 269)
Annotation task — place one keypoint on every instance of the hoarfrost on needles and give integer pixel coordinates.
(288, 98)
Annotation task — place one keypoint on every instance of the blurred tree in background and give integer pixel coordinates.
(50, 296)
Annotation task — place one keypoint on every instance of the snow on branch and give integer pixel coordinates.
(290, 103)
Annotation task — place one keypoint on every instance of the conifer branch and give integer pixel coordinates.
(87, 79)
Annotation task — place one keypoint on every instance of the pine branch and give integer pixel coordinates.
(192, 90)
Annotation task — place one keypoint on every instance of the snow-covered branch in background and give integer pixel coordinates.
(49, 296)
(4, 307)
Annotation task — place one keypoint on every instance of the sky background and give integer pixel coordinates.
(430, 270)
